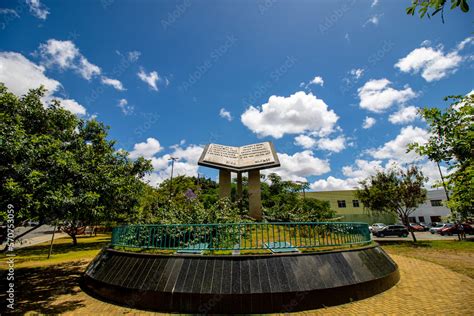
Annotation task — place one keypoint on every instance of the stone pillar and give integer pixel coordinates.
(239, 185)
(239, 195)
(255, 199)
(224, 183)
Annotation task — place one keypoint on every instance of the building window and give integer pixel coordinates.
(355, 203)
(435, 219)
(412, 219)
(421, 219)
(436, 203)
(341, 203)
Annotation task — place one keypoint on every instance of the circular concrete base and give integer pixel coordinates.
(239, 284)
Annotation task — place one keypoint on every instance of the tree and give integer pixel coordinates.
(394, 191)
(283, 202)
(56, 167)
(452, 142)
(433, 7)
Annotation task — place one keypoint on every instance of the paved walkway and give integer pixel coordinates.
(425, 289)
(37, 240)
(420, 236)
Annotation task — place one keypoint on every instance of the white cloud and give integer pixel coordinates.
(404, 115)
(113, 82)
(368, 122)
(465, 42)
(426, 43)
(332, 183)
(20, 75)
(9, 11)
(300, 165)
(186, 164)
(147, 149)
(295, 114)
(190, 154)
(38, 9)
(86, 69)
(305, 141)
(126, 109)
(433, 63)
(150, 78)
(396, 148)
(377, 95)
(335, 145)
(357, 73)
(355, 173)
(133, 55)
(374, 3)
(374, 19)
(225, 114)
(58, 53)
(430, 170)
(318, 80)
(362, 169)
(65, 55)
(72, 105)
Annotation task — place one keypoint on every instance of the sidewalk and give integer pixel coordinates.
(37, 240)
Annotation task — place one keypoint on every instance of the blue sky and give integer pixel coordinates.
(334, 84)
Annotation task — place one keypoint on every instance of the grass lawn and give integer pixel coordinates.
(455, 255)
(63, 251)
(51, 286)
(41, 282)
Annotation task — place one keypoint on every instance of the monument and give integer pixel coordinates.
(240, 268)
(249, 158)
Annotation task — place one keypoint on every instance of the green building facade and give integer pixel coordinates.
(349, 208)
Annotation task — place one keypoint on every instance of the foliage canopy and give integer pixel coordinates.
(58, 168)
(452, 141)
(395, 191)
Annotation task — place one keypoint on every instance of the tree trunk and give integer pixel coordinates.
(74, 239)
(52, 240)
(406, 222)
(413, 235)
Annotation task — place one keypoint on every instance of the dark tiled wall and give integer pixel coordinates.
(245, 284)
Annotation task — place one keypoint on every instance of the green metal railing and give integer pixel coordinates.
(241, 236)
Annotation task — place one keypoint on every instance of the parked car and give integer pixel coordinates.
(425, 226)
(376, 226)
(391, 230)
(454, 229)
(436, 229)
(416, 227)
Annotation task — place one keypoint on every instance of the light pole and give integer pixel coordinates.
(173, 159)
